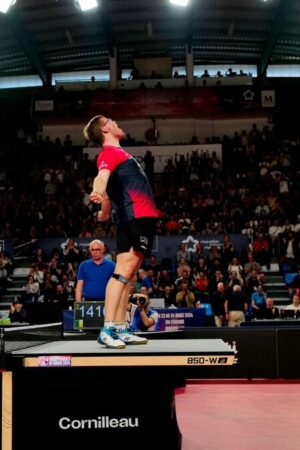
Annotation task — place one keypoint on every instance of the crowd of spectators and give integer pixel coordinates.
(253, 190)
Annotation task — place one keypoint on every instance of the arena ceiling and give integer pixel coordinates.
(46, 36)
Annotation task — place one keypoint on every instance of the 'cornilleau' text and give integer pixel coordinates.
(65, 423)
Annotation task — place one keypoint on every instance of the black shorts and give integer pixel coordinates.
(137, 234)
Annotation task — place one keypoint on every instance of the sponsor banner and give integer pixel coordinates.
(178, 102)
(80, 408)
(55, 361)
(268, 99)
(163, 153)
(44, 105)
(175, 319)
(164, 246)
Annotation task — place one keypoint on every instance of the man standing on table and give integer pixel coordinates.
(121, 185)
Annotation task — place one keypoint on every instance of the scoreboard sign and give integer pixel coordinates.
(88, 315)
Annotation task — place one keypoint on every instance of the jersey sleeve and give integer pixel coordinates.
(109, 160)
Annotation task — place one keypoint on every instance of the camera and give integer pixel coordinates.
(142, 300)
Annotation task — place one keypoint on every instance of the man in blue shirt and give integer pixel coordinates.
(93, 274)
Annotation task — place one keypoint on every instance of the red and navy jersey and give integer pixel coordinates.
(128, 188)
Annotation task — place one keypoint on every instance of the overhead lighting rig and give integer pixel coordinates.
(6, 4)
(86, 5)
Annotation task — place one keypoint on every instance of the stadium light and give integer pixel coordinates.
(6, 4)
(86, 5)
(180, 2)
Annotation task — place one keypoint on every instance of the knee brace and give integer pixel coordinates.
(120, 278)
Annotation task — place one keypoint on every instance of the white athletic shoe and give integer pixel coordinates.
(130, 338)
(109, 338)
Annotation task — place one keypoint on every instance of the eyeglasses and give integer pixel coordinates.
(106, 122)
(96, 249)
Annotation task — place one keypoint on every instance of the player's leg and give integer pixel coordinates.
(122, 332)
(117, 290)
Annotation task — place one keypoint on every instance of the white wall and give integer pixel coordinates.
(170, 130)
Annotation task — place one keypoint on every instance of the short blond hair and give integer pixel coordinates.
(93, 131)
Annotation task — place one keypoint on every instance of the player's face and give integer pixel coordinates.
(112, 127)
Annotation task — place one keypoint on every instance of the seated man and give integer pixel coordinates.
(270, 312)
(258, 302)
(17, 313)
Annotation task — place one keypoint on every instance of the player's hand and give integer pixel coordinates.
(102, 217)
(96, 197)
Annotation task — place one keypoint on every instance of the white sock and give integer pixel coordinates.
(109, 324)
(120, 327)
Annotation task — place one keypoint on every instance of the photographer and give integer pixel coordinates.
(142, 316)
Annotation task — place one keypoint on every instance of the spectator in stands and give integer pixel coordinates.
(3, 279)
(47, 289)
(153, 265)
(149, 162)
(271, 312)
(31, 290)
(262, 208)
(183, 266)
(235, 266)
(37, 274)
(234, 279)
(251, 265)
(185, 297)
(295, 305)
(182, 253)
(275, 231)
(169, 297)
(154, 283)
(93, 274)
(61, 297)
(198, 253)
(261, 250)
(287, 227)
(55, 270)
(184, 278)
(7, 264)
(201, 287)
(258, 302)
(184, 223)
(205, 74)
(227, 251)
(134, 74)
(145, 281)
(17, 313)
(214, 253)
(252, 283)
(216, 278)
(235, 307)
(230, 73)
(218, 305)
(201, 266)
(71, 253)
(171, 225)
(165, 279)
(39, 257)
(294, 285)
(289, 252)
